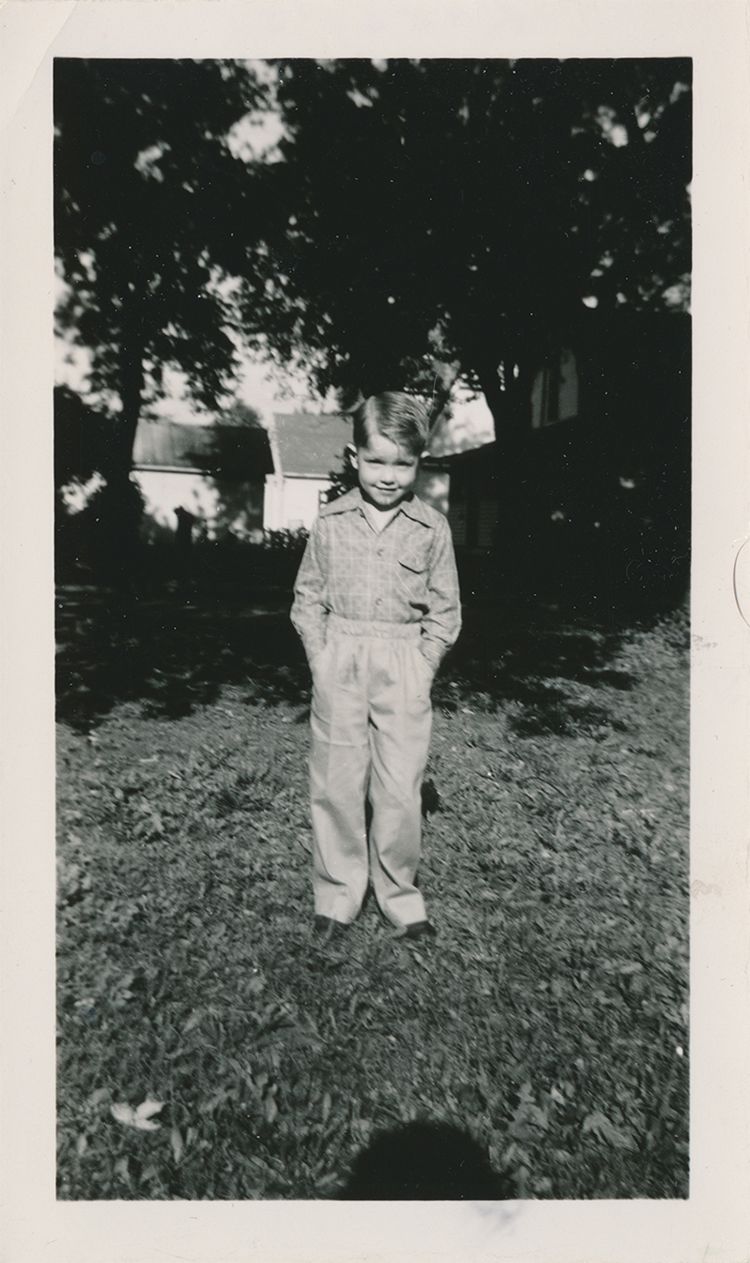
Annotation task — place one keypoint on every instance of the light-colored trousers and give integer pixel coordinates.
(371, 720)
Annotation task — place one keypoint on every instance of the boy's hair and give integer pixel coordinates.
(396, 416)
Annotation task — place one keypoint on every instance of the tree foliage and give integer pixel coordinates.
(80, 439)
(149, 206)
(419, 218)
(444, 209)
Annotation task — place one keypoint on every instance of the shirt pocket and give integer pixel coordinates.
(412, 575)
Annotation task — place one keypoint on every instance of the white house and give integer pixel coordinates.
(216, 472)
(306, 449)
(245, 478)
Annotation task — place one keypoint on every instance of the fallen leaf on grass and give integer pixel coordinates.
(601, 1127)
(140, 1118)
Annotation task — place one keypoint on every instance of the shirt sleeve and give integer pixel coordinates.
(442, 622)
(309, 609)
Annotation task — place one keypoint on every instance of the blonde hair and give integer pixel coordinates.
(397, 416)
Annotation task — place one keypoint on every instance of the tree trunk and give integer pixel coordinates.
(131, 389)
(508, 403)
(445, 379)
(122, 504)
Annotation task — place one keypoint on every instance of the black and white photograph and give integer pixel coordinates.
(375, 631)
(372, 479)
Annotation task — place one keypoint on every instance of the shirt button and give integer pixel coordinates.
(378, 600)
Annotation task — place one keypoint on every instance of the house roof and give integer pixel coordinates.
(310, 444)
(482, 454)
(299, 444)
(240, 451)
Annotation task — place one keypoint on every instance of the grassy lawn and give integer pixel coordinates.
(548, 1020)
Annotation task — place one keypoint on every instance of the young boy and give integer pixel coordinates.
(376, 604)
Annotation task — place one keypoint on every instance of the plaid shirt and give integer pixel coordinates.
(404, 574)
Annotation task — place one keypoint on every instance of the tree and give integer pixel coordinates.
(459, 211)
(421, 218)
(241, 416)
(425, 217)
(80, 439)
(149, 206)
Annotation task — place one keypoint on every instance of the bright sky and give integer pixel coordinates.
(270, 390)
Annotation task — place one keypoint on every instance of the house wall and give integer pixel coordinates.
(457, 519)
(473, 521)
(486, 523)
(554, 392)
(433, 485)
(291, 502)
(223, 507)
(473, 509)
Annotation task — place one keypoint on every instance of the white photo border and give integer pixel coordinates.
(712, 1225)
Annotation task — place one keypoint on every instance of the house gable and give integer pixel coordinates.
(309, 445)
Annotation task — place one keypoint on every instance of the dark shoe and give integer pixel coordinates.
(326, 928)
(419, 929)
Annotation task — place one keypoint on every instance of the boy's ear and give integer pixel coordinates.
(351, 454)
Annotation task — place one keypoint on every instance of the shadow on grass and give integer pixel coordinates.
(537, 659)
(425, 1162)
(173, 657)
(169, 655)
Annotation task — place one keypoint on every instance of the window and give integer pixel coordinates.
(554, 394)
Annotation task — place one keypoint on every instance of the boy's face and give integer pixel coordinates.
(386, 471)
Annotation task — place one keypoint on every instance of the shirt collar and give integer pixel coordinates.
(413, 507)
